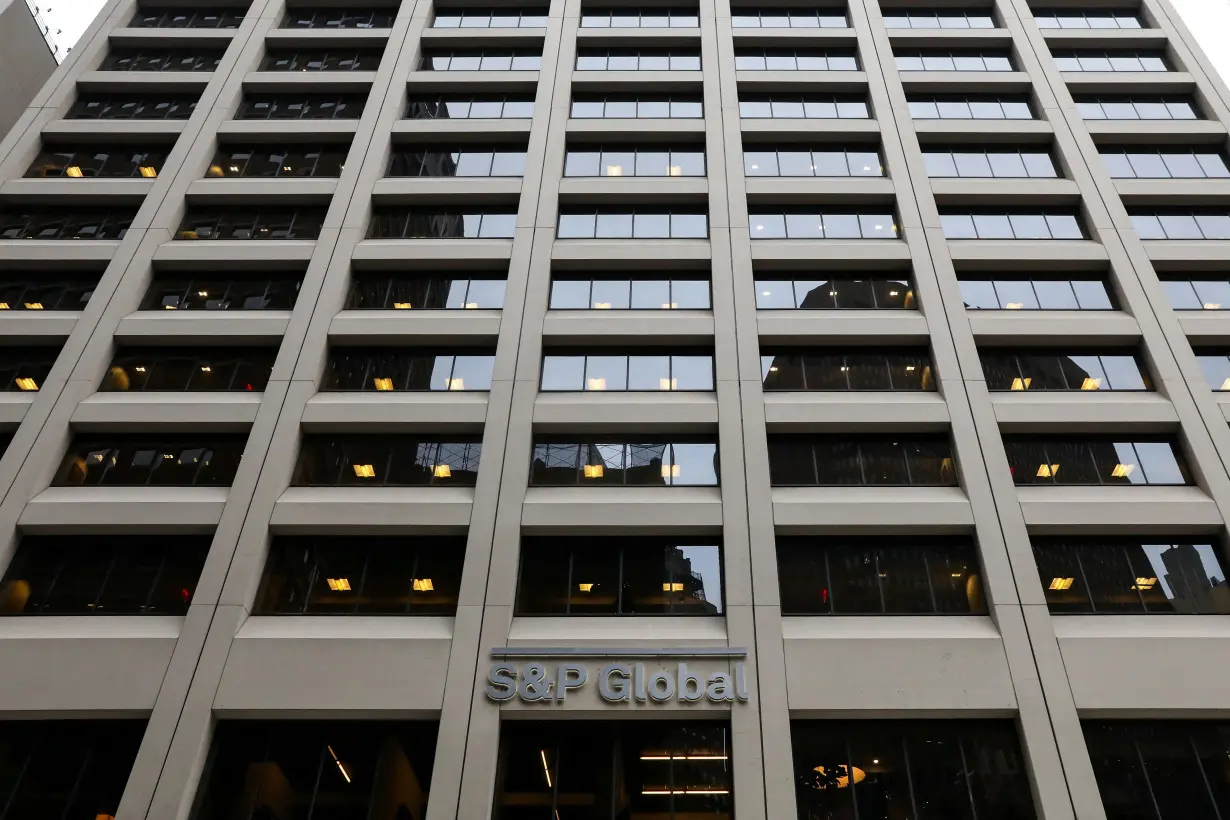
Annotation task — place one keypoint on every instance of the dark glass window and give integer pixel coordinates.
(955, 768)
(396, 222)
(624, 17)
(620, 576)
(1041, 224)
(850, 292)
(786, 59)
(574, 291)
(510, 60)
(334, 58)
(870, 369)
(376, 769)
(797, 17)
(646, 106)
(1035, 293)
(645, 59)
(822, 161)
(279, 161)
(678, 461)
(301, 107)
(391, 368)
(1093, 460)
(463, 106)
(348, 17)
(1077, 19)
(1119, 576)
(614, 222)
(1097, 60)
(1188, 223)
(103, 575)
(161, 59)
(970, 107)
(1166, 164)
(815, 224)
(787, 106)
(477, 160)
(387, 460)
(945, 60)
(1044, 370)
(619, 370)
(381, 291)
(186, 17)
(64, 223)
(192, 370)
(639, 161)
(48, 290)
(490, 18)
(937, 18)
(875, 576)
(134, 460)
(25, 368)
(278, 222)
(361, 575)
(256, 292)
(1111, 107)
(828, 461)
(999, 162)
(101, 162)
(66, 768)
(97, 106)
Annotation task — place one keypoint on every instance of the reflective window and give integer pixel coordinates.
(1044, 370)
(375, 769)
(1097, 60)
(476, 160)
(938, 18)
(956, 768)
(620, 576)
(876, 576)
(64, 223)
(623, 17)
(752, 17)
(970, 107)
(361, 575)
(1216, 367)
(850, 292)
(281, 222)
(678, 461)
(784, 59)
(255, 292)
(1174, 223)
(513, 60)
(193, 370)
(335, 58)
(380, 291)
(1120, 576)
(1025, 225)
(1166, 164)
(301, 107)
(1035, 293)
(385, 369)
(660, 769)
(348, 17)
(133, 460)
(101, 162)
(103, 574)
(1076, 19)
(1031, 163)
(613, 222)
(783, 106)
(47, 290)
(1093, 460)
(870, 370)
(640, 161)
(161, 59)
(821, 161)
(573, 291)
(620, 371)
(187, 17)
(490, 18)
(331, 460)
(647, 106)
(646, 59)
(827, 461)
(98, 106)
(1137, 108)
(279, 161)
(1198, 294)
(943, 60)
(463, 106)
(396, 222)
(25, 369)
(813, 224)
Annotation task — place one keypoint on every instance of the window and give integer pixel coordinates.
(64, 223)
(1174, 223)
(519, 60)
(469, 161)
(161, 59)
(132, 107)
(101, 162)
(395, 222)
(361, 575)
(618, 372)
(608, 222)
(677, 461)
(387, 461)
(182, 17)
(66, 767)
(1166, 164)
(783, 106)
(1050, 371)
(279, 161)
(1035, 292)
(379, 291)
(336, 58)
(639, 18)
(1074, 19)
(782, 59)
(752, 17)
(938, 60)
(829, 461)
(1198, 294)
(970, 107)
(48, 290)
(590, 59)
(1028, 225)
(642, 161)
(471, 107)
(343, 768)
(883, 292)
(941, 18)
(195, 371)
(338, 18)
(385, 369)
(103, 574)
(822, 161)
(1216, 367)
(657, 768)
(620, 576)
(301, 107)
(955, 767)
(1094, 60)
(875, 576)
(1154, 769)
(1003, 163)
(795, 224)
(256, 292)
(134, 461)
(490, 18)
(1093, 460)
(574, 291)
(284, 222)
(1127, 576)
(648, 106)
(817, 370)
(25, 368)
(1138, 108)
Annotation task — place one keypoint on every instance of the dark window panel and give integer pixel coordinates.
(149, 460)
(392, 222)
(494, 60)
(62, 223)
(208, 293)
(860, 460)
(271, 223)
(651, 461)
(45, 290)
(400, 369)
(818, 371)
(182, 17)
(301, 106)
(374, 461)
(338, 18)
(161, 59)
(101, 162)
(370, 291)
(883, 292)
(193, 370)
(94, 106)
(478, 160)
(490, 18)
(471, 106)
(25, 369)
(1093, 460)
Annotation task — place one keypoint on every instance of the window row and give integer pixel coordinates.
(482, 61)
(621, 161)
(645, 292)
(949, 18)
(847, 292)
(743, 17)
(216, 17)
(471, 107)
(827, 225)
(283, 222)
(390, 222)
(1036, 225)
(339, 18)
(1072, 19)
(1166, 164)
(785, 106)
(387, 461)
(279, 161)
(336, 58)
(1198, 294)
(45, 290)
(639, 18)
(647, 106)
(639, 60)
(817, 371)
(475, 161)
(301, 107)
(612, 223)
(1137, 108)
(779, 59)
(132, 107)
(162, 370)
(826, 461)
(62, 223)
(101, 162)
(407, 369)
(374, 291)
(150, 460)
(649, 371)
(953, 61)
(1110, 61)
(1051, 371)
(655, 462)
(161, 59)
(1035, 293)
(1191, 224)
(971, 107)
(1035, 460)
(255, 292)
(813, 163)
(490, 18)
(25, 368)
(997, 163)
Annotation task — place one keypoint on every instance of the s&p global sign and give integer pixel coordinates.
(547, 675)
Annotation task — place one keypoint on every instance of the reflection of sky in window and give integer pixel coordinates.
(706, 564)
(1208, 559)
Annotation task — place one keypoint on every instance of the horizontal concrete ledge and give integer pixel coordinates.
(1010, 327)
(862, 327)
(808, 190)
(622, 510)
(588, 38)
(309, 81)
(295, 130)
(100, 627)
(355, 627)
(654, 634)
(616, 327)
(1150, 132)
(970, 81)
(419, 81)
(163, 37)
(1095, 411)
(461, 190)
(129, 82)
(1138, 82)
(168, 510)
(38, 325)
(13, 407)
(867, 510)
(296, 190)
(443, 38)
(388, 327)
(1104, 38)
(315, 38)
(616, 412)
(80, 191)
(658, 81)
(768, 131)
(633, 190)
(114, 130)
(661, 253)
(935, 131)
(1016, 192)
(408, 131)
(394, 411)
(912, 38)
(1173, 191)
(618, 652)
(95, 252)
(1117, 510)
(1006, 254)
(192, 327)
(793, 254)
(392, 254)
(1208, 254)
(855, 412)
(1205, 326)
(252, 254)
(372, 510)
(624, 130)
(838, 81)
(154, 411)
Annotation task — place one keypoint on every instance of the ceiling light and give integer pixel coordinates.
(684, 757)
(1122, 470)
(875, 760)
(672, 586)
(892, 293)
(148, 171)
(401, 306)
(670, 305)
(588, 588)
(593, 470)
(595, 384)
(957, 574)
(423, 585)
(1212, 305)
(670, 471)
(773, 369)
(139, 369)
(668, 384)
(602, 305)
(339, 584)
(73, 171)
(1014, 305)
(27, 384)
(34, 305)
(1091, 383)
(765, 293)
(471, 305)
(1224, 385)
(1061, 584)
(614, 170)
(545, 768)
(1047, 470)
(1021, 384)
(205, 369)
(4, 305)
(364, 470)
(843, 776)
(340, 767)
(202, 293)
(383, 384)
(1145, 584)
(285, 167)
(234, 169)
(442, 471)
(909, 368)
(456, 384)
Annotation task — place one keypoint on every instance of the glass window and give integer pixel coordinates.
(331, 460)
(861, 460)
(650, 462)
(142, 460)
(1095, 460)
(199, 371)
(1048, 371)
(808, 370)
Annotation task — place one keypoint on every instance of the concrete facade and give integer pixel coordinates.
(26, 61)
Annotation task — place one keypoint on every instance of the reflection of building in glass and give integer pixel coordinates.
(687, 587)
(858, 294)
(1192, 589)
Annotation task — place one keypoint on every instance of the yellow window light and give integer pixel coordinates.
(1122, 470)
(1021, 384)
(614, 170)
(595, 384)
(593, 470)
(670, 305)
(909, 368)
(423, 585)
(1047, 470)
(668, 384)
(1145, 584)
(27, 384)
(148, 171)
(1061, 584)
(670, 471)
(383, 384)
(4, 305)
(204, 294)
(1091, 383)
(1212, 305)
(73, 171)
(442, 471)
(139, 369)
(401, 306)
(676, 170)
(34, 305)
(364, 470)
(602, 305)
(206, 369)
(214, 171)
(1225, 385)
(471, 306)
(339, 584)
(672, 586)
(340, 766)
(1014, 306)
(585, 587)
(456, 384)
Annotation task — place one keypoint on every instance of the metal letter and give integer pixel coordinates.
(638, 682)
(613, 683)
(501, 682)
(660, 692)
(691, 685)
(719, 688)
(570, 676)
(740, 683)
(535, 685)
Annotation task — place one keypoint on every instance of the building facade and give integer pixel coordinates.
(26, 60)
(598, 410)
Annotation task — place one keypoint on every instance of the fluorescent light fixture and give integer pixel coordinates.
(364, 470)
(588, 588)
(1145, 584)
(668, 384)
(26, 384)
(593, 470)
(423, 585)
(670, 471)
(148, 171)
(614, 170)
(442, 471)
(1212, 305)
(1021, 384)
(383, 384)
(34, 305)
(73, 171)
(401, 306)
(339, 584)
(672, 586)
(595, 384)
(1061, 584)
(456, 384)
(1014, 305)
(545, 768)
(340, 767)
(1122, 470)
(1091, 383)
(602, 305)
(1047, 470)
